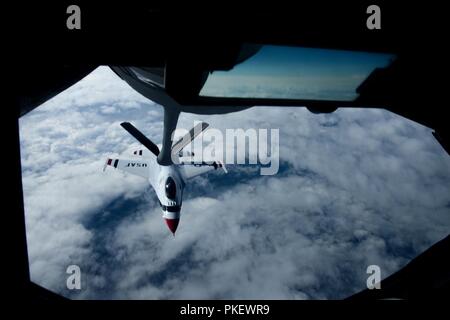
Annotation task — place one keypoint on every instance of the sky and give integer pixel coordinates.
(297, 73)
(355, 188)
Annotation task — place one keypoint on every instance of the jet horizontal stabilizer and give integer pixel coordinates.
(139, 136)
(189, 137)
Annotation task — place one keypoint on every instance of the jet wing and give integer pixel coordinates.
(137, 167)
(192, 169)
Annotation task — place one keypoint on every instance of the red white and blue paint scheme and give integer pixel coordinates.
(168, 180)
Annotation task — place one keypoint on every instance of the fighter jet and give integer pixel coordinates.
(168, 181)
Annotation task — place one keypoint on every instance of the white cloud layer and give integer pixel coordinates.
(356, 187)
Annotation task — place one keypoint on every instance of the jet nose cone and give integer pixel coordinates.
(172, 224)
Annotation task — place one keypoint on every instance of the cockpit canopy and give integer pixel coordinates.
(171, 188)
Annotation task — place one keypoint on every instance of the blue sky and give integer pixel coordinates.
(291, 60)
(355, 187)
(301, 73)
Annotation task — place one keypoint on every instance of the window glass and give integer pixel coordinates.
(296, 73)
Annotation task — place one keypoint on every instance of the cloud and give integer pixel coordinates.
(356, 187)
